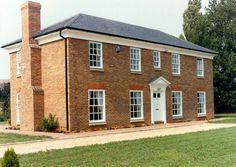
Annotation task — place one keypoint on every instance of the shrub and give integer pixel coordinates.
(49, 124)
(10, 159)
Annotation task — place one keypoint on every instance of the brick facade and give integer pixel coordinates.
(42, 83)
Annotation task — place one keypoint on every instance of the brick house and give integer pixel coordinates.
(93, 72)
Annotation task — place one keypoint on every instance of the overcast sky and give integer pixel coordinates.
(165, 15)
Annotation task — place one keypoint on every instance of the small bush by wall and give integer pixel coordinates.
(49, 124)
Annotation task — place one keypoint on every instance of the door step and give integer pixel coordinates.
(159, 122)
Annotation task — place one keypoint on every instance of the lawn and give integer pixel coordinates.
(2, 123)
(208, 149)
(224, 118)
(12, 138)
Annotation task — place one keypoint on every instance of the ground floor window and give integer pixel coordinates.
(201, 103)
(136, 104)
(96, 105)
(177, 103)
(18, 108)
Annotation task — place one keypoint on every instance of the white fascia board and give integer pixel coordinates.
(67, 33)
(13, 48)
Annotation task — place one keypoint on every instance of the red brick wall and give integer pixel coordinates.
(118, 80)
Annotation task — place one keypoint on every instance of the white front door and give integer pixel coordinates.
(158, 113)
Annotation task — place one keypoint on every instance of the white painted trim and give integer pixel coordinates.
(179, 64)
(181, 105)
(18, 109)
(13, 48)
(204, 95)
(142, 112)
(140, 61)
(120, 41)
(95, 67)
(203, 70)
(159, 85)
(104, 107)
(159, 59)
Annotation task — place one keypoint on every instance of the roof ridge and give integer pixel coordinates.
(72, 20)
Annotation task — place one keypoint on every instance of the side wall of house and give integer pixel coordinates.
(53, 80)
(116, 79)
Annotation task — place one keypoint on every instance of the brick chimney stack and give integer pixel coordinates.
(30, 13)
(32, 98)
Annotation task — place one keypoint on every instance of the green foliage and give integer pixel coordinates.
(49, 124)
(216, 30)
(181, 36)
(5, 99)
(10, 159)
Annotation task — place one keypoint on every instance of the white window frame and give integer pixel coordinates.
(18, 63)
(200, 72)
(204, 104)
(104, 106)
(18, 108)
(181, 104)
(141, 117)
(100, 55)
(176, 62)
(139, 59)
(157, 59)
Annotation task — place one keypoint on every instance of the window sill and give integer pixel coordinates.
(136, 120)
(136, 72)
(200, 77)
(97, 123)
(157, 68)
(176, 75)
(201, 115)
(97, 69)
(177, 117)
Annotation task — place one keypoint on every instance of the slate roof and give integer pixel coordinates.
(94, 24)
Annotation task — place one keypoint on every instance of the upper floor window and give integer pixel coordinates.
(18, 63)
(200, 67)
(175, 60)
(95, 55)
(157, 59)
(135, 59)
(201, 103)
(96, 105)
(136, 104)
(177, 103)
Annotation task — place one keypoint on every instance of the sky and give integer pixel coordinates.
(164, 15)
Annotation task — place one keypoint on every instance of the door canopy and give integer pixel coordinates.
(159, 83)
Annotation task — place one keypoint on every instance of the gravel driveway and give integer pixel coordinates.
(62, 141)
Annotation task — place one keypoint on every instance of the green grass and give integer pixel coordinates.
(227, 118)
(12, 138)
(3, 123)
(215, 148)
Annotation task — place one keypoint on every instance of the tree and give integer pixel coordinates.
(5, 98)
(216, 30)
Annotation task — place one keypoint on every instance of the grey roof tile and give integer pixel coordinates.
(114, 28)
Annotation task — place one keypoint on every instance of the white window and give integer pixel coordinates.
(201, 103)
(96, 105)
(177, 103)
(135, 59)
(200, 67)
(175, 60)
(136, 104)
(95, 55)
(17, 108)
(18, 63)
(157, 59)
